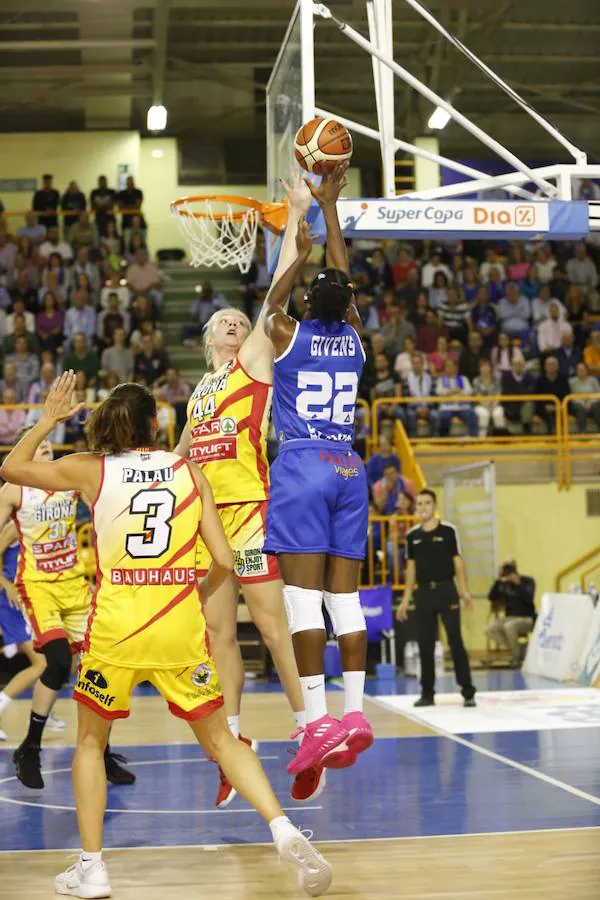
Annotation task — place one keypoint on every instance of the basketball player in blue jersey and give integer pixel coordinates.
(318, 512)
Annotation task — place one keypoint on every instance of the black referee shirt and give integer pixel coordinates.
(433, 552)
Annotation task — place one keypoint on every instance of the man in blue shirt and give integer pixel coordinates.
(484, 318)
(381, 459)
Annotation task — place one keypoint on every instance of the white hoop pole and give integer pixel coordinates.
(436, 100)
(576, 153)
(379, 15)
(425, 154)
(307, 50)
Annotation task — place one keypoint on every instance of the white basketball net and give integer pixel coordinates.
(217, 239)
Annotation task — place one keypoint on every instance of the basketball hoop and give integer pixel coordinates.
(219, 235)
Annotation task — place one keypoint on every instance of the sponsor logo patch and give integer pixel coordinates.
(94, 683)
(250, 562)
(97, 678)
(214, 451)
(202, 675)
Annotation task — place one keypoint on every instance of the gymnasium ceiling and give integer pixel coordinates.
(96, 64)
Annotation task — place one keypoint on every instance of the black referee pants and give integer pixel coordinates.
(433, 600)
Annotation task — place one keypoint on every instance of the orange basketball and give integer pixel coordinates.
(321, 144)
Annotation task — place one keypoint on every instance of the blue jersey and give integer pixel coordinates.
(316, 383)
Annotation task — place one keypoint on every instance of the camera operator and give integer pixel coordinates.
(511, 593)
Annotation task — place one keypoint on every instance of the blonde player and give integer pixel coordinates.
(228, 415)
(147, 621)
(56, 600)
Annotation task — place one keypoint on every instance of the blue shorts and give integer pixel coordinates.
(319, 501)
(14, 625)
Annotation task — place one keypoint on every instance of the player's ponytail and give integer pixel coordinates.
(123, 421)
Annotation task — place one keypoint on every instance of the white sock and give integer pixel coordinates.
(281, 823)
(234, 725)
(4, 701)
(88, 859)
(313, 691)
(300, 720)
(354, 688)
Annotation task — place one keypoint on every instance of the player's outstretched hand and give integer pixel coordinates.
(332, 184)
(58, 406)
(304, 239)
(297, 192)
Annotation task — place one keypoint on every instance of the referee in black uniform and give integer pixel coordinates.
(434, 565)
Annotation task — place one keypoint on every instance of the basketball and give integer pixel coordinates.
(321, 144)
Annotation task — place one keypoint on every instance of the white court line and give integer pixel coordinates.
(521, 767)
(381, 840)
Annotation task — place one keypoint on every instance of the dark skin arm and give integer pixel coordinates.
(278, 325)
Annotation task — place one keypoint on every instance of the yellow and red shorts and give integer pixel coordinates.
(191, 692)
(57, 609)
(245, 525)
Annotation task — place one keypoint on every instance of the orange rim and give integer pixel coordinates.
(272, 215)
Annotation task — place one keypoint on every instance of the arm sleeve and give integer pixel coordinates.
(453, 542)
(409, 547)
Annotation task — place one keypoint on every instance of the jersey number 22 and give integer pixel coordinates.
(323, 398)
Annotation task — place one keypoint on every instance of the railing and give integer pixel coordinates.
(569, 571)
(410, 466)
(385, 557)
(61, 213)
(577, 446)
(26, 407)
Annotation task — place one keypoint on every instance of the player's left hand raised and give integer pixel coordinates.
(304, 239)
(297, 192)
(58, 406)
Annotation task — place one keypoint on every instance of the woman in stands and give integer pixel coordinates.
(147, 622)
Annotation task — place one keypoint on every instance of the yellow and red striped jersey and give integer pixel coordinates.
(228, 418)
(47, 530)
(146, 609)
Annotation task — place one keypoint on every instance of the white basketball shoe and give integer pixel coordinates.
(314, 872)
(90, 882)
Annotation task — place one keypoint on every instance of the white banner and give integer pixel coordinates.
(559, 635)
(589, 664)
(443, 215)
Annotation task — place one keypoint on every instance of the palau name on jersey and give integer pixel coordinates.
(147, 476)
(344, 345)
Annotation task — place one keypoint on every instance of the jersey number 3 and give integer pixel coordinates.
(157, 507)
(322, 398)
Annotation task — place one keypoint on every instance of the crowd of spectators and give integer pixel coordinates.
(79, 290)
(479, 319)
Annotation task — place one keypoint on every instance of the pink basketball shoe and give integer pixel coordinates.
(360, 738)
(320, 739)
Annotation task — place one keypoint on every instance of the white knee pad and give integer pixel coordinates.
(304, 609)
(345, 613)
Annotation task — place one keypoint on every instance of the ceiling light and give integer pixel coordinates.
(157, 118)
(438, 119)
(157, 154)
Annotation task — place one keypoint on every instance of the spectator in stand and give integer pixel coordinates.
(206, 302)
(3, 321)
(367, 312)
(11, 380)
(487, 385)
(434, 265)
(591, 354)
(484, 319)
(518, 382)
(110, 380)
(452, 385)
(513, 594)
(50, 323)
(55, 274)
(72, 203)
(53, 244)
(418, 315)
(80, 318)
(396, 329)
(379, 460)
(578, 312)
(420, 417)
(112, 241)
(409, 294)
(471, 356)
(388, 488)
(257, 279)
(18, 310)
(115, 284)
(403, 361)
(83, 266)
(135, 338)
(402, 268)
(438, 292)
(143, 277)
(142, 311)
(27, 364)
(514, 312)
(381, 271)
(57, 435)
(8, 252)
(551, 382)
(150, 364)
(110, 319)
(437, 360)
(45, 202)
(11, 420)
(552, 330)
(177, 392)
(44, 383)
(504, 354)
(378, 346)
(83, 233)
(559, 285)
(569, 355)
(102, 201)
(31, 253)
(496, 286)
(430, 333)
(130, 200)
(531, 285)
(471, 285)
(518, 265)
(540, 308)
(20, 331)
(135, 235)
(582, 271)
(545, 265)
(585, 190)
(81, 357)
(458, 266)
(454, 313)
(34, 230)
(24, 290)
(584, 383)
(492, 261)
(119, 358)
(387, 385)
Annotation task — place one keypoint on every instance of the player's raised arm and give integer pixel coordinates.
(327, 194)
(278, 326)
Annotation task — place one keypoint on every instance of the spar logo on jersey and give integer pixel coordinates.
(228, 425)
(214, 451)
(201, 676)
